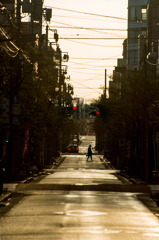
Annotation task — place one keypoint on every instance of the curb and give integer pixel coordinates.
(107, 163)
(29, 179)
(130, 179)
(133, 180)
(58, 162)
(4, 196)
(55, 165)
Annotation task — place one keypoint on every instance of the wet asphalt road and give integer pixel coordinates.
(79, 200)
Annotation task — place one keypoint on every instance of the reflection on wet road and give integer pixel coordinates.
(50, 208)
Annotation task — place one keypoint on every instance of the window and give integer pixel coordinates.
(144, 14)
(135, 13)
(132, 13)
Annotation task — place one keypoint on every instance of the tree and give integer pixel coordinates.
(125, 125)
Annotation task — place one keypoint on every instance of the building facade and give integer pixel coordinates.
(137, 25)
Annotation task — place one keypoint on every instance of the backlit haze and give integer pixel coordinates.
(88, 58)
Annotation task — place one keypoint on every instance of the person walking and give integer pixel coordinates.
(89, 153)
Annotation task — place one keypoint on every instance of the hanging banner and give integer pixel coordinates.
(27, 138)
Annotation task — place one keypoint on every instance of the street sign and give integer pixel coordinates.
(16, 99)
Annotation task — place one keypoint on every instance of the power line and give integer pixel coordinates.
(153, 64)
(85, 63)
(83, 28)
(89, 28)
(87, 72)
(85, 86)
(84, 66)
(76, 27)
(94, 58)
(80, 17)
(92, 14)
(89, 44)
(6, 50)
(88, 38)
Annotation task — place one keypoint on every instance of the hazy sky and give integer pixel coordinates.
(88, 58)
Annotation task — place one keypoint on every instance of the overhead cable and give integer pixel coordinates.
(91, 38)
(92, 14)
(153, 64)
(85, 86)
(90, 28)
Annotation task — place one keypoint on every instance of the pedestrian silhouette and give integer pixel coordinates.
(89, 153)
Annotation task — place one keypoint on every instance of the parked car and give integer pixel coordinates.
(73, 148)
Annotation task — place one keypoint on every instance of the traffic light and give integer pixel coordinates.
(74, 108)
(97, 113)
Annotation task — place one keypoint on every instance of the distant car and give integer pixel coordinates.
(73, 148)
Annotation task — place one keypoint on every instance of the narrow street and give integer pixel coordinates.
(77, 201)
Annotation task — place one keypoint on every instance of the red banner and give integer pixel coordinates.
(27, 139)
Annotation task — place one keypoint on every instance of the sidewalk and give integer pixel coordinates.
(8, 188)
(154, 187)
(151, 201)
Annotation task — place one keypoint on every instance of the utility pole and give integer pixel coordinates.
(60, 77)
(145, 123)
(105, 83)
(14, 83)
(18, 14)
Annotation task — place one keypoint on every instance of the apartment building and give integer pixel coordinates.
(137, 25)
